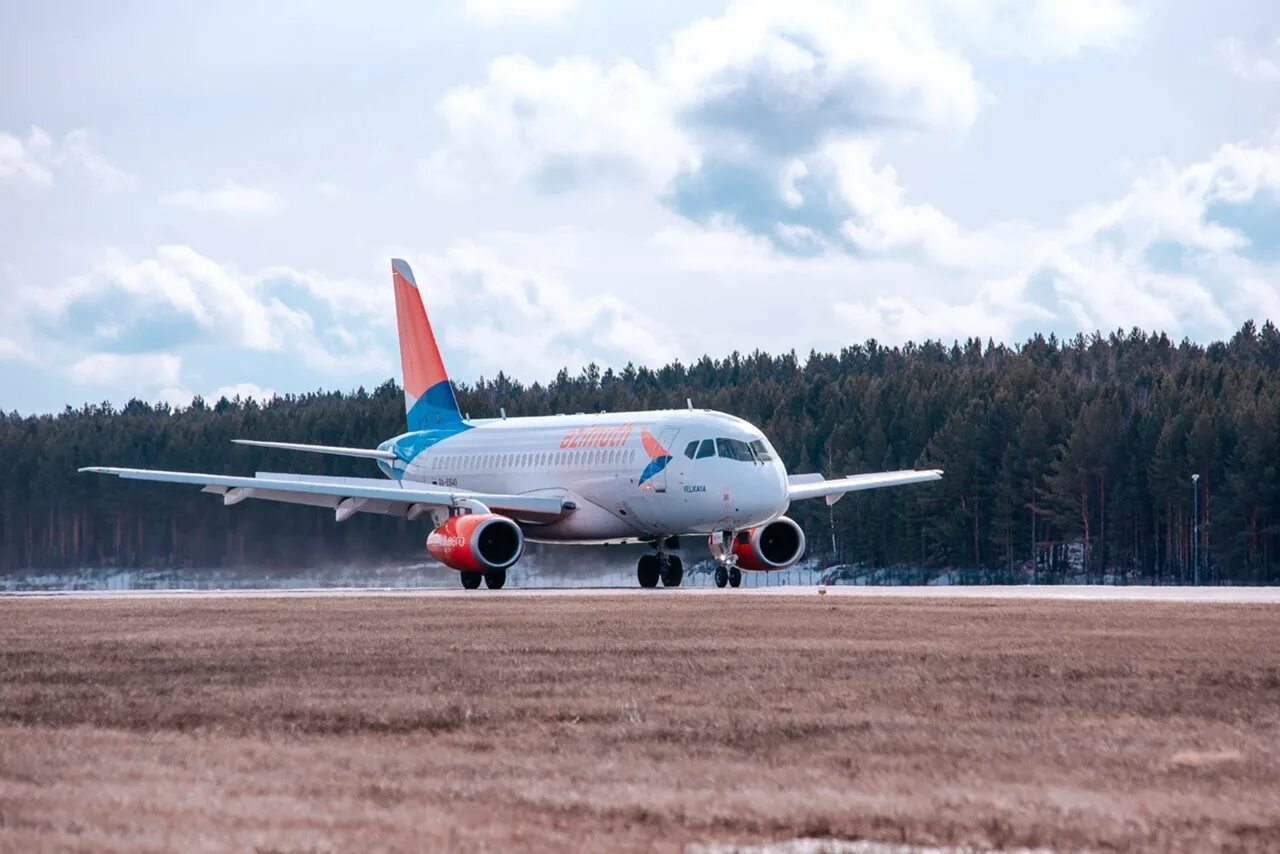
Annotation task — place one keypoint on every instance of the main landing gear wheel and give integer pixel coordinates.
(495, 578)
(735, 577)
(471, 580)
(648, 570)
(672, 572)
(722, 576)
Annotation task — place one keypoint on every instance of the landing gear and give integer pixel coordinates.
(495, 578)
(471, 580)
(648, 571)
(727, 572)
(662, 566)
(672, 572)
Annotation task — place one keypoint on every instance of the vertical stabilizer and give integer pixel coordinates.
(428, 396)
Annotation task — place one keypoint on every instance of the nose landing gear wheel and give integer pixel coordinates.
(673, 572)
(722, 576)
(495, 578)
(471, 580)
(648, 570)
(735, 577)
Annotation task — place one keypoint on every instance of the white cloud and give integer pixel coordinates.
(763, 79)
(1045, 29)
(78, 150)
(770, 126)
(11, 352)
(780, 76)
(25, 160)
(177, 287)
(1249, 64)
(139, 370)
(129, 323)
(496, 12)
(760, 78)
(498, 316)
(231, 198)
(562, 125)
(38, 158)
(1191, 250)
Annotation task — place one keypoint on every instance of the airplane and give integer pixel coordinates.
(487, 486)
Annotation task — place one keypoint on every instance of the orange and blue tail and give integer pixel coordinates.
(428, 396)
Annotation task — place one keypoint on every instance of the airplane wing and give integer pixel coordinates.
(349, 495)
(813, 486)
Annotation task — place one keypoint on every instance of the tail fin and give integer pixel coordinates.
(428, 395)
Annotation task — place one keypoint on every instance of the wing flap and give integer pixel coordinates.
(834, 490)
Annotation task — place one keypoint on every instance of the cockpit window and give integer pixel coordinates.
(761, 451)
(707, 448)
(691, 449)
(734, 449)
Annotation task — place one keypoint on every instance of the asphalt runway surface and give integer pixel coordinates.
(864, 718)
(1076, 592)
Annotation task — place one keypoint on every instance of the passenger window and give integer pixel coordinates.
(707, 449)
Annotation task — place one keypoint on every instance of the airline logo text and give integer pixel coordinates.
(597, 437)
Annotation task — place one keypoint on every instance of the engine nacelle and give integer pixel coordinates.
(776, 545)
(477, 542)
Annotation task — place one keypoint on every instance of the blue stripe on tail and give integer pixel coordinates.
(435, 410)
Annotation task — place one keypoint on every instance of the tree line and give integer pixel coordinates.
(1065, 460)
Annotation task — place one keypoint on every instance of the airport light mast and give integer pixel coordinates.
(1195, 529)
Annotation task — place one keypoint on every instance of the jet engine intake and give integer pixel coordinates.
(477, 542)
(776, 545)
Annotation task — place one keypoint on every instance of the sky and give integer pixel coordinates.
(203, 199)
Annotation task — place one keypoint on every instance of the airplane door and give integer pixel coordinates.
(647, 505)
(667, 438)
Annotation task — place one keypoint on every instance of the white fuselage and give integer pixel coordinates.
(613, 472)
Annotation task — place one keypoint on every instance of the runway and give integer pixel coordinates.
(1080, 592)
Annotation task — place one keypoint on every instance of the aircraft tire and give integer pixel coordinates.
(471, 580)
(648, 570)
(722, 576)
(495, 578)
(735, 577)
(673, 573)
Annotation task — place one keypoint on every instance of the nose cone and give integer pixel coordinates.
(768, 496)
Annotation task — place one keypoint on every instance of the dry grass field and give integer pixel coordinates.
(640, 722)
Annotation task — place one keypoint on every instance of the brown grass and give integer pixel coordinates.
(500, 721)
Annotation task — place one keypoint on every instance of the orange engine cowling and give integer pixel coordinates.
(477, 542)
(776, 545)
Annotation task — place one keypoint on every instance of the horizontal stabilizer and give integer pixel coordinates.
(365, 453)
(834, 490)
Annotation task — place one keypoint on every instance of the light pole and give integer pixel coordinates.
(1195, 528)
